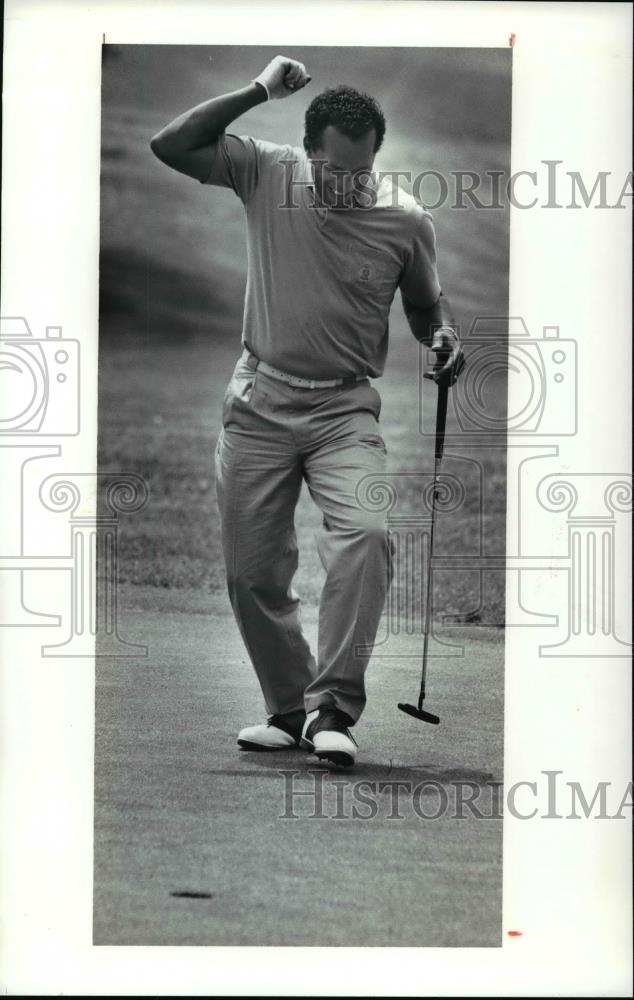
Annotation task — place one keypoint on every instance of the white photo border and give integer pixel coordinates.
(566, 884)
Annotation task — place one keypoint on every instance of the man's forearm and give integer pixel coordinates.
(203, 124)
(424, 322)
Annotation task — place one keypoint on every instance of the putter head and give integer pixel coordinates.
(419, 714)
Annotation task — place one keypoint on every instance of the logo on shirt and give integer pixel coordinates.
(367, 266)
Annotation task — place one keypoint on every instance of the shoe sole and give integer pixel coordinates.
(339, 757)
(247, 745)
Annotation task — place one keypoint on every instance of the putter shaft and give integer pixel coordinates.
(441, 422)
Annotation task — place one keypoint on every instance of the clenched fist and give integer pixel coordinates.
(283, 77)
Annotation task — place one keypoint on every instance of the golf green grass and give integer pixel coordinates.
(179, 809)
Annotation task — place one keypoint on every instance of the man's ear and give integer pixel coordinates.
(306, 146)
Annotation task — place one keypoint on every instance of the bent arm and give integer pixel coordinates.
(424, 322)
(436, 328)
(187, 144)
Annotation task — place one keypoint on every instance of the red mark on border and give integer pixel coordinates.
(512, 39)
(514, 933)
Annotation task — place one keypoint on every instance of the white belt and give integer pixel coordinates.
(296, 380)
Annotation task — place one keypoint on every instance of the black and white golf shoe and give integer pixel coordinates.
(279, 732)
(326, 734)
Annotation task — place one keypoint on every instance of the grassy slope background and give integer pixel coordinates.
(172, 275)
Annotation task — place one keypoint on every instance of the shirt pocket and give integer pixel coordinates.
(371, 271)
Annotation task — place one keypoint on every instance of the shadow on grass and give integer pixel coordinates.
(271, 764)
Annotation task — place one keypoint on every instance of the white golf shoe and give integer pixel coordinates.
(326, 734)
(279, 732)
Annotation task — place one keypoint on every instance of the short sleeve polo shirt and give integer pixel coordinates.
(321, 281)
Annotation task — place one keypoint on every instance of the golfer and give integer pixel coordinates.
(328, 246)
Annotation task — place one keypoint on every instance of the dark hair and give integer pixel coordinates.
(348, 110)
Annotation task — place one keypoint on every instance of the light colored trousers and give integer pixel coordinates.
(273, 436)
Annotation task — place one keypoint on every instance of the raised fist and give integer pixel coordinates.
(283, 77)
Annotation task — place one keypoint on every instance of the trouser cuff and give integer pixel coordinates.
(352, 711)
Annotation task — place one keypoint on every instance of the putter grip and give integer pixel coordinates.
(441, 419)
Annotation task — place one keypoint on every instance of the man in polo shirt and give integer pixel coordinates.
(328, 246)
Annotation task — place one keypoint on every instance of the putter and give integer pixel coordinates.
(441, 420)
